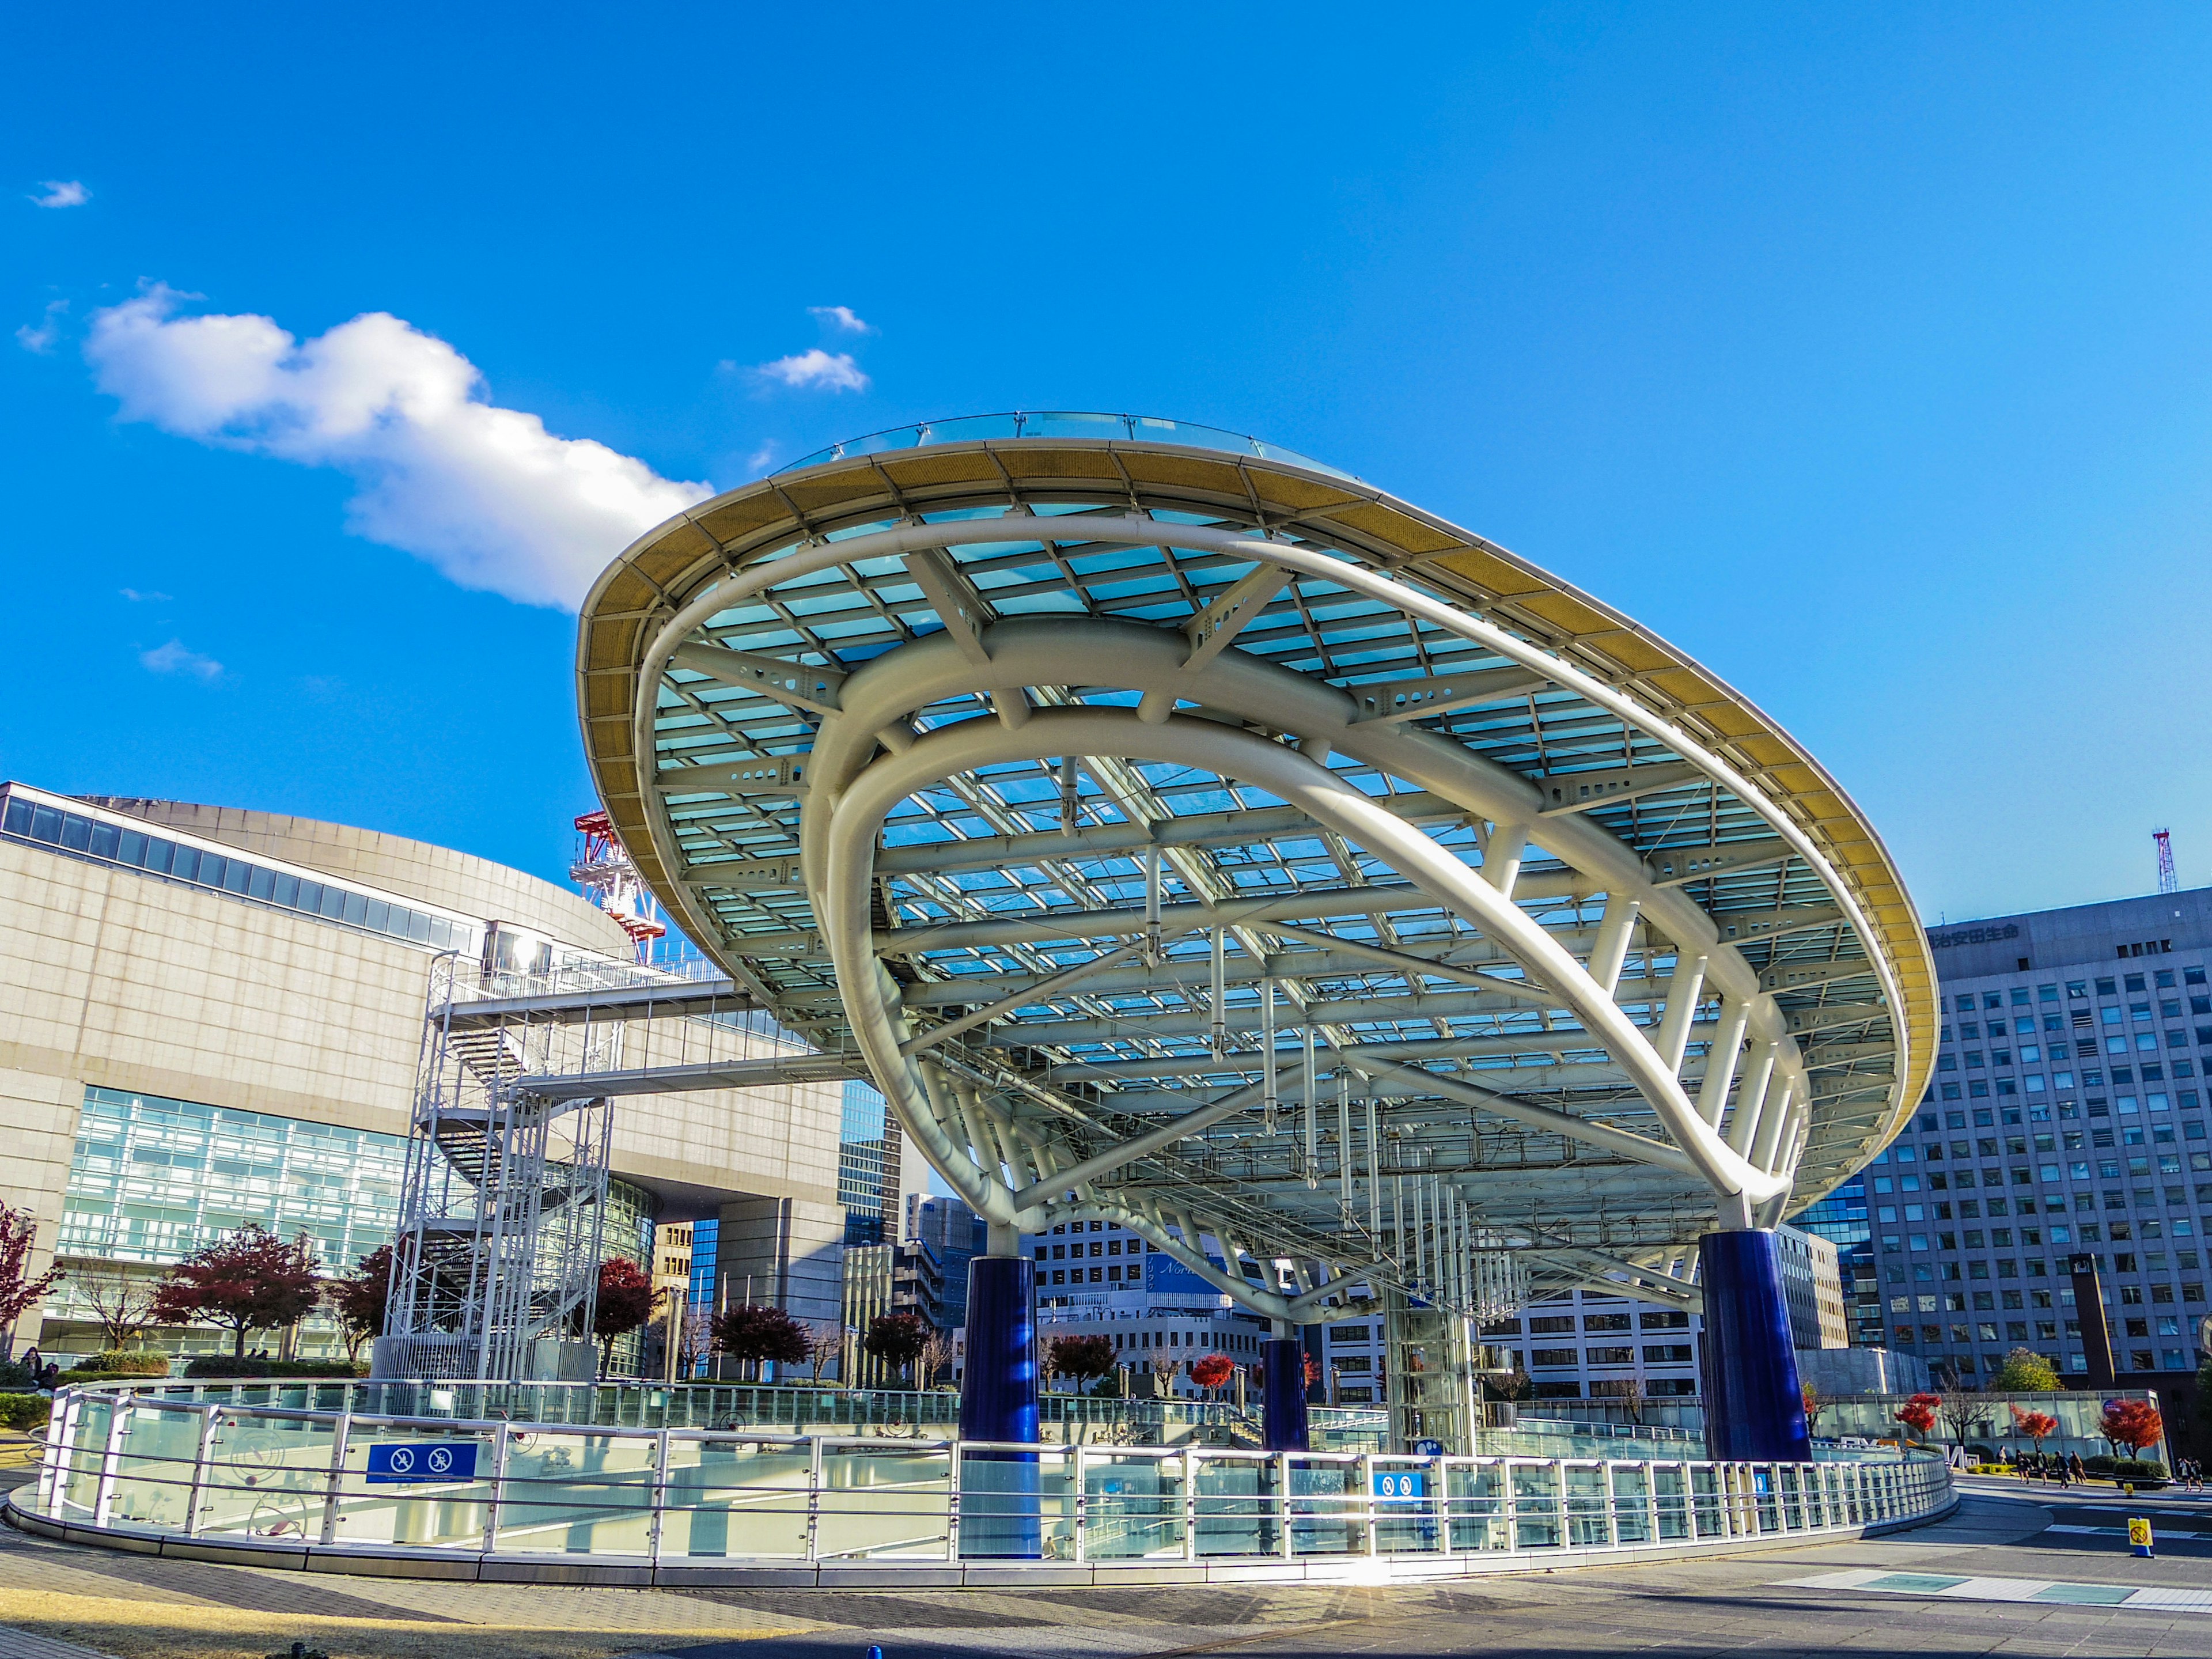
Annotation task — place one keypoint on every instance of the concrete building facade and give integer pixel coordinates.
(2066, 1116)
(210, 1016)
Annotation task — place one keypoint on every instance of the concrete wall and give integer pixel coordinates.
(115, 977)
(414, 869)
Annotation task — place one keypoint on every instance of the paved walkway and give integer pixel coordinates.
(1882, 1599)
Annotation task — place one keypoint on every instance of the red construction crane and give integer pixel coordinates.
(610, 881)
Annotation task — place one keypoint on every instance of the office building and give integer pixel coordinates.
(210, 1017)
(2066, 1116)
(1587, 1345)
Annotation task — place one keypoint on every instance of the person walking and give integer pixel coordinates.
(2075, 1470)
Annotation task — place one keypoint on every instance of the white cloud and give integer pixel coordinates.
(137, 598)
(175, 657)
(486, 495)
(40, 338)
(840, 318)
(62, 192)
(830, 370)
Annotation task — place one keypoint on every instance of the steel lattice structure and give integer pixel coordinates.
(1183, 832)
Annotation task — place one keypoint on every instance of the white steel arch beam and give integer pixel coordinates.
(1324, 564)
(1087, 652)
(859, 812)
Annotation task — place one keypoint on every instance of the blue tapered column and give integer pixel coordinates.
(1754, 1405)
(1000, 1514)
(1283, 1396)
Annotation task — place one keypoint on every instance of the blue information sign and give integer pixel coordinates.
(410, 1460)
(1401, 1483)
(1428, 1449)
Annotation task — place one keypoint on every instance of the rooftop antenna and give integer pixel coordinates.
(2167, 881)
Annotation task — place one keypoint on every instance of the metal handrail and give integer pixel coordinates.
(1187, 1503)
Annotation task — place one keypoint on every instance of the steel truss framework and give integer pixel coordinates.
(1206, 842)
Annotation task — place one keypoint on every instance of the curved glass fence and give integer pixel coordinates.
(1061, 423)
(346, 1481)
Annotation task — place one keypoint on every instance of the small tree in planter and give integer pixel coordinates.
(897, 1339)
(1163, 1366)
(624, 1302)
(752, 1333)
(250, 1280)
(1212, 1372)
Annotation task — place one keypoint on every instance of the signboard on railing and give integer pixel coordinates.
(1401, 1483)
(410, 1460)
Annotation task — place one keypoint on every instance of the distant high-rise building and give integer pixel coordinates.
(2067, 1117)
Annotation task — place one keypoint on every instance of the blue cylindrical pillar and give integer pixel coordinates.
(1283, 1394)
(999, 1513)
(1754, 1404)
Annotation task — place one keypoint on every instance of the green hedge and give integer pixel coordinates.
(222, 1366)
(2139, 1469)
(116, 1362)
(25, 1411)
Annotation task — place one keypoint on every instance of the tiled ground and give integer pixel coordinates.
(139, 1608)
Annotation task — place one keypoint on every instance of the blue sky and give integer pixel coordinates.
(1863, 353)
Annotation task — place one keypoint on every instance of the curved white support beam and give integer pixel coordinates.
(858, 813)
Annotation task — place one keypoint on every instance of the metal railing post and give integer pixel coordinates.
(60, 1460)
(1283, 1500)
(1651, 1504)
(333, 1487)
(497, 1501)
(952, 1500)
(111, 1460)
(814, 1473)
(659, 1491)
(1190, 1503)
(1082, 1497)
(1368, 1507)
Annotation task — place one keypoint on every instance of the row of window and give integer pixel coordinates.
(2077, 990)
(1666, 1353)
(136, 849)
(1556, 1324)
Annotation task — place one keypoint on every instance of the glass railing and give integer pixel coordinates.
(1059, 423)
(140, 1463)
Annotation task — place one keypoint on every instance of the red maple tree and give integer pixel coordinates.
(2134, 1423)
(624, 1302)
(1919, 1414)
(2036, 1425)
(249, 1280)
(19, 1289)
(1213, 1371)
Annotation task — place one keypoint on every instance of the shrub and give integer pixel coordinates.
(223, 1365)
(117, 1362)
(25, 1411)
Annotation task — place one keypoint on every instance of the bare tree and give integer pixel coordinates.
(1163, 1366)
(824, 1343)
(1962, 1414)
(1628, 1390)
(936, 1355)
(122, 1301)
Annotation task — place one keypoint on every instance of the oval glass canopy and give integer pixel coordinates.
(1182, 832)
